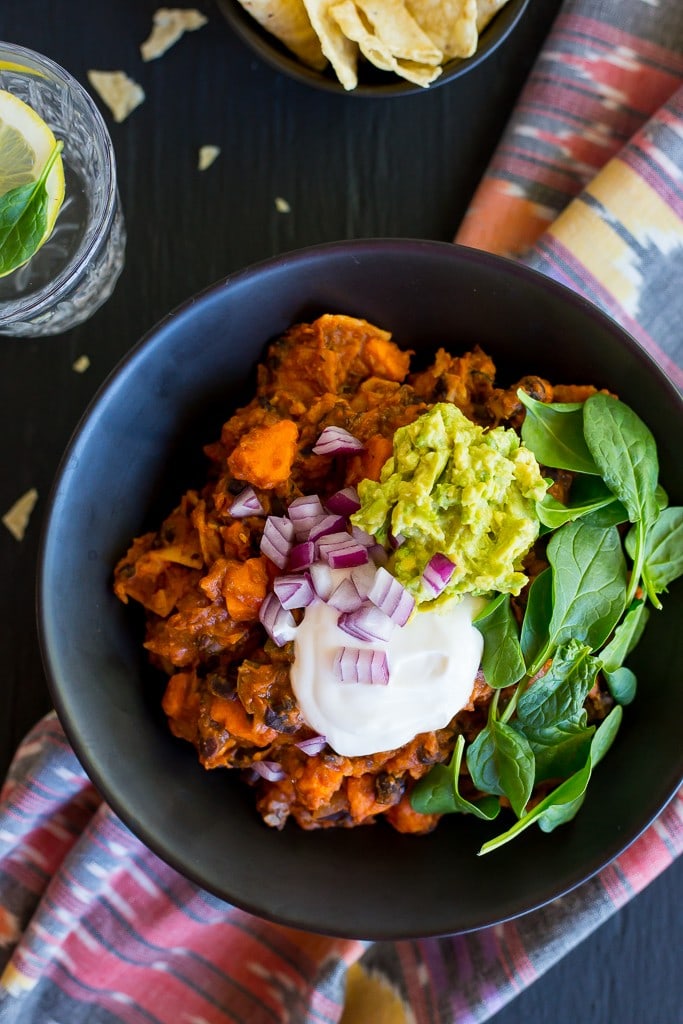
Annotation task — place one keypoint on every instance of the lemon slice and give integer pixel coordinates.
(26, 143)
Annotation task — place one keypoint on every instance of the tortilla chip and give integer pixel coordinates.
(168, 25)
(341, 52)
(374, 48)
(486, 10)
(398, 30)
(450, 24)
(420, 74)
(207, 155)
(16, 518)
(121, 94)
(288, 21)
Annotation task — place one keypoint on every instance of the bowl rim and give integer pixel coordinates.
(159, 844)
(275, 54)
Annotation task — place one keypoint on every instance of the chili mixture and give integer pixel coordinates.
(202, 578)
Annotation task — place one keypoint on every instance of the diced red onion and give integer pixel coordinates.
(345, 597)
(378, 554)
(336, 441)
(307, 505)
(354, 665)
(305, 512)
(301, 555)
(276, 541)
(313, 745)
(295, 590)
(367, 623)
(348, 556)
(323, 581)
(396, 540)
(389, 595)
(364, 538)
(438, 572)
(246, 503)
(345, 502)
(270, 770)
(363, 577)
(278, 623)
(325, 526)
(333, 540)
(341, 551)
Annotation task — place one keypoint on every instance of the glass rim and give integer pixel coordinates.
(33, 304)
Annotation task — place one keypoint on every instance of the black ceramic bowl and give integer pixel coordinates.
(371, 81)
(139, 446)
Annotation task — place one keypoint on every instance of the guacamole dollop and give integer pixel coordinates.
(454, 487)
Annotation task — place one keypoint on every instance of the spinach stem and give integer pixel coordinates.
(512, 703)
(638, 561)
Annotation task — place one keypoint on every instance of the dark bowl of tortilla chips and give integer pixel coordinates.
(373, 48)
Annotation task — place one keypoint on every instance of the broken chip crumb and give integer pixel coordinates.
(81, 364)
(207, 155)
(168, 25)
(121, 94)
(17, 517)
(281, 205)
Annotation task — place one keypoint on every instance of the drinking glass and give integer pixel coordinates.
(76, 269)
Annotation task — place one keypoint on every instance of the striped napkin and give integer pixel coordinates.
(586, 186)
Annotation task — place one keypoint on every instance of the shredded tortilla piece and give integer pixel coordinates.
(17, 517)
(121, 94)
(168, 25)
(81, 364)
(207, 155)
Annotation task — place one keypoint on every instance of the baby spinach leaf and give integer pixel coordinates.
(626, 636)
(566, 793)
(534, 634)
(586, 498)
(605, 734)
(23, 218)
(438, 793)
(622, 684)
(502, 662)
(559, 751)
(501, 761)
(625, 453)
(609, 515)
(589, 583)
(559, 814)
(663, 549)
(661, 497)
(562, 803)
(558, 697)
(554, 433)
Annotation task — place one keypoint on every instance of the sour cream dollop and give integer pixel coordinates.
(433, 661)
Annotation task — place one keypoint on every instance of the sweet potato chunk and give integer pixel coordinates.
(264, 456)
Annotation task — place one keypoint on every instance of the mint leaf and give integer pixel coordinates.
(23, 219)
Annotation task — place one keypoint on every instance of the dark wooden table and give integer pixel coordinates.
(348, 167)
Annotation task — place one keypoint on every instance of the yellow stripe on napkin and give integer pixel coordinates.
(611, 236)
